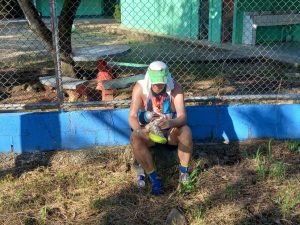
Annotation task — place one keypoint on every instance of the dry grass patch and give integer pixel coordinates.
(98, 187)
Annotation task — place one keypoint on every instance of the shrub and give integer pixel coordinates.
(117, 13)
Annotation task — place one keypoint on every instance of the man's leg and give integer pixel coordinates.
(183, 138)
(141, 151)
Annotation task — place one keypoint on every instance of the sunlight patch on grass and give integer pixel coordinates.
(229, 214)
(260, 164)
(278, 170)
(289, 198)
(197, 215)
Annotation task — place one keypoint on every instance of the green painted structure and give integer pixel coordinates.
(176, 18)
(265, 34)
(181, 18)
(215, 21)
(86, 8)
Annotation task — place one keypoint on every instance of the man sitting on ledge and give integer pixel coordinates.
(158, 101)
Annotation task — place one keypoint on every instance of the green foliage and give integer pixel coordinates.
(267, 166)
(269, 153)
(258, 155)
(289, 199)
(230, 191)
(197, 215)
(19, 195)
(262, 170)
(44, 213)
(117, 13)
(278, 170)
(261, 167)
(294, 146)
(60, 176)
(96, 204)
(192, 183)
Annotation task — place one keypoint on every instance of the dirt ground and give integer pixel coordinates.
(238, 183)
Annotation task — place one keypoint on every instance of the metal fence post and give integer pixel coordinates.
(56, 55)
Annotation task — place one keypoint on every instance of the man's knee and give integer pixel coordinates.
(180, 134)
(137, 142)
(185, 142)
(184, 131)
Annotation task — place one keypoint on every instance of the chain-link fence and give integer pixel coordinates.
(89, 53)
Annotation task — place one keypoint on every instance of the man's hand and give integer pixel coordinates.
(155, 133)
(143, 133)
(164, 123)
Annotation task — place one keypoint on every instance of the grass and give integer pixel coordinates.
(269, 153)
(198, 215)
(267, 166)
(100, 190)
(44, 214)
(289, 199)
(294, 146)
(261, 167)
(278, 170)
(192, 183)
(230, 191)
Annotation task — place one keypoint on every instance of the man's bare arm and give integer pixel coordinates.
(180, 120)
(136, 103)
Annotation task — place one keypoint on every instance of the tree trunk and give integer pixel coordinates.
(36, 24)
(65, 30)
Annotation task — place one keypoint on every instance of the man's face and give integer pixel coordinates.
(157, 88)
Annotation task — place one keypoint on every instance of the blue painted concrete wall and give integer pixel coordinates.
(27, 132)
